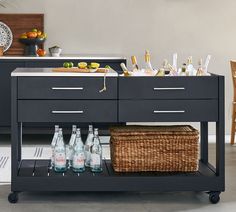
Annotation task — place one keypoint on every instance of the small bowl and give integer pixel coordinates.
(55, 51)
(92, 70)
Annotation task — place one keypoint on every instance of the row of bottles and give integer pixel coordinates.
(167, 69)
(76, 154)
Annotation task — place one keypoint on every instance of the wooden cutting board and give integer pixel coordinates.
(20, 23)
(79, 70)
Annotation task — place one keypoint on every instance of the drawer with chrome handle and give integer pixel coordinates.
(168, 87)
(67, 110)
(66, 88)
(167, 110)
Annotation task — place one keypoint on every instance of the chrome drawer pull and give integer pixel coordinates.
(169, 111)
(168, 89)
(67, 88)
(67, 111)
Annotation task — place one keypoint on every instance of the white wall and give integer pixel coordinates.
(127, 27)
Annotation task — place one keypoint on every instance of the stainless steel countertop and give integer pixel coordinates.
(39, 72)
(67, 57)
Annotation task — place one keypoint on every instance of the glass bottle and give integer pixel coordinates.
(208, 58)
(125, 69)
(174, 64)
(96, 154)
(200, 71)
(134, 63)
(70, 146)
(166, 67)
(88, 144)
(148, 65)
(190, 69)
(78, 156)
(184, 71)
(53, 144)
(60, 153)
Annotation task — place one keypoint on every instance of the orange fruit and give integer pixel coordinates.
(41, 52)
(31, 34)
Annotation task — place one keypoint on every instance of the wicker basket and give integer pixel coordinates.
(161, 148)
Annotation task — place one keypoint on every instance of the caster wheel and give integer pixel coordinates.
(214, 197)
(13, 197)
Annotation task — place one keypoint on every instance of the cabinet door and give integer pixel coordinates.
(6, 67)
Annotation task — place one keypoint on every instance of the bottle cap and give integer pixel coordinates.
(95, 130)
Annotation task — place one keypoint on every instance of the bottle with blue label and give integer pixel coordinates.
(78, 162)
(87, 147)
(53, 144)
(60, 154)
(96, 154)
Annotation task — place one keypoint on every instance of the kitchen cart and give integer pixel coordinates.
(39, 95)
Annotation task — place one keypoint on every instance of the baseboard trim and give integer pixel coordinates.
(212, 139)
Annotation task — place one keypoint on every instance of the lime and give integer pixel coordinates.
(34, 30)
(71, 65)
(66, 65)
(108, 67)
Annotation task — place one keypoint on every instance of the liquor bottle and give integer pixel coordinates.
(53, 144)
(166, 67)
(60, 153)
(184, 71)
(125, 69)
(134, 63)
(173, 71)
(190, 69)
(96, 154)
(78, 156)
(88, 144)
(200, 71)
(160, 72)
(148, 65)
(70, 146)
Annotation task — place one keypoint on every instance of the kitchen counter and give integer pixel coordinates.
(33, 72)
(67, 57)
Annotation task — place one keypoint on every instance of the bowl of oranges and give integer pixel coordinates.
(32, 40)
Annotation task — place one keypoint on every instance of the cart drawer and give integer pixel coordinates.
(167, 110)
(66, 88)
(67, 111)
(168, 87)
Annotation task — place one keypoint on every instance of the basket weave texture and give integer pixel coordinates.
(159, 148)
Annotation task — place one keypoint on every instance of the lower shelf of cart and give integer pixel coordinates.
(41, 168)
(35, 175)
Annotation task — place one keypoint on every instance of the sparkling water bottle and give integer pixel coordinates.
(96, 154)
(78, 156)
(60, 154)
(70, 146)
(88, 144)
(53, 144)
